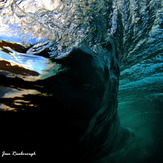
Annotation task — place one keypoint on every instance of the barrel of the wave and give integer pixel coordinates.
(73, 94)
(79, 88)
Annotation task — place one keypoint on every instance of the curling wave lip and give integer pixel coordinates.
(13, 32)
(15, 60)
(26, 66)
